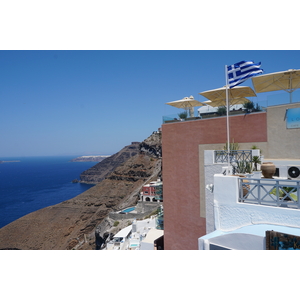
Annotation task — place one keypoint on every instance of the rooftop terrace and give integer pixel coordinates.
(271, 100)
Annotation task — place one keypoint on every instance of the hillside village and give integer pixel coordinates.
(242, 195)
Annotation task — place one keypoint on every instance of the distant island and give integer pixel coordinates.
(96, 158)
(8, 161)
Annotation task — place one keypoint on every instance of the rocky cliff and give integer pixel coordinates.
(71, 224)
(98, 172)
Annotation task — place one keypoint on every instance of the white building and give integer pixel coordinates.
(141, 235)
(152, 192)
(257, 219)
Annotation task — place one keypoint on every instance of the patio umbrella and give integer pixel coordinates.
(286, 80)
(233, 93)
(186, 103)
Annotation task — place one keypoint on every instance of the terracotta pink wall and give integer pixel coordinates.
(181, 193)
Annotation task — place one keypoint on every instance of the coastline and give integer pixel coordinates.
(72, 224)
(37, 182)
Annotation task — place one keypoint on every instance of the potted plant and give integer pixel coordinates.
(243, 167)
(268, 169)
(256, 161)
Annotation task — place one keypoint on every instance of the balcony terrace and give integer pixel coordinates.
(242, 209)
(245, 208)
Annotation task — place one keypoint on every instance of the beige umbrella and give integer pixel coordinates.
(286, 80)
(233, 93)
(186, 103)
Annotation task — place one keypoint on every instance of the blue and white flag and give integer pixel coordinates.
(241, 71)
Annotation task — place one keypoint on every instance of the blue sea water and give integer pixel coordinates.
(37, 182)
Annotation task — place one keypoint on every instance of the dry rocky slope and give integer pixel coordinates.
(98, 172)
(72, 223)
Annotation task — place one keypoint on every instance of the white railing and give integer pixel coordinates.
(270, 192)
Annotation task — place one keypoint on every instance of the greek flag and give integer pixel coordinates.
(241, 71)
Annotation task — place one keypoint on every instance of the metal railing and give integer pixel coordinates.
(221, 156)
(270, 192)
(175, 118)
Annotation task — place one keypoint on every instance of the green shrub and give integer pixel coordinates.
(232, 146)
(256, 160)
(221, 110)
(243, 167)
(284, 190)
(183, 115)
(249, 105)
(116, 223)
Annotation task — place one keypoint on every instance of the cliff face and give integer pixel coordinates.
(96, 158)
(71, 224)
(98, 172)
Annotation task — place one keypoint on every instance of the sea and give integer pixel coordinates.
(31, 183)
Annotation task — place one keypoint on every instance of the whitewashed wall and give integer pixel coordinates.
(210, 169)
(231, 214)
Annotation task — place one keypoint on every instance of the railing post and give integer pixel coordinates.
(277, 192)
(240, 190)
(258, 192)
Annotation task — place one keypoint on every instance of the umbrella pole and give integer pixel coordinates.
(227, 122)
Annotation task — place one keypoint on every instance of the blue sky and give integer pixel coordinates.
(97, 102)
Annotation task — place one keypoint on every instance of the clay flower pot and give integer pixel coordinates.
(268, 169)
(245, 187)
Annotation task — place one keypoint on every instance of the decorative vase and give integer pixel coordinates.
(268, 169)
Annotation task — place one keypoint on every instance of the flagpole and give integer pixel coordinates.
(227, 121)
(239, 73)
